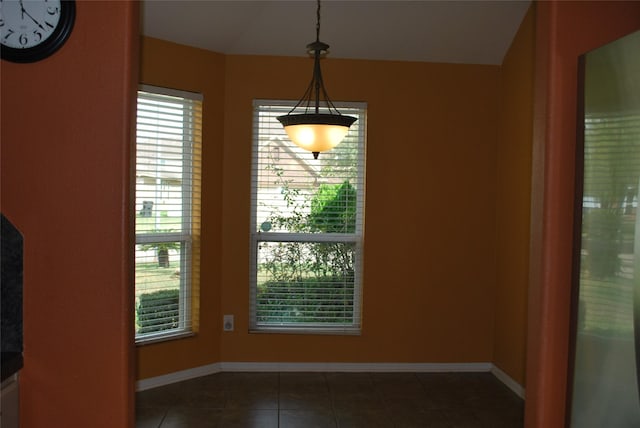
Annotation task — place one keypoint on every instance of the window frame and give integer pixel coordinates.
(357, 238)
(190, 190)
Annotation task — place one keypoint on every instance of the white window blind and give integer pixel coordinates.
(167, 207)
(609, 211)
(306, 227)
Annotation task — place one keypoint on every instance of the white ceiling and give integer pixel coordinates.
(471, 32)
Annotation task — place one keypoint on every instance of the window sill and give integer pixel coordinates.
(163, 337)
(306, 331)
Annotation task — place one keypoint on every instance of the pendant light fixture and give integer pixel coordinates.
(316, 128)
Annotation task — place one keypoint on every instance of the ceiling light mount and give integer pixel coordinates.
(320, 126)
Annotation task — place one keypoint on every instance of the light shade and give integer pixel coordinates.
(316, 132)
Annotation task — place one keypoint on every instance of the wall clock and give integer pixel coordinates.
(32, 30)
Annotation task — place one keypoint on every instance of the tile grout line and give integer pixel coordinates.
(333, 407)
(278, 413)
(164, 416)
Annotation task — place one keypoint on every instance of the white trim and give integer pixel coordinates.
(290, 103)
(154, 382)
(163, 336)
(355, 367)
(265, 202)
(171, 92)
(508, 381)
(209, 369)
(182, 375)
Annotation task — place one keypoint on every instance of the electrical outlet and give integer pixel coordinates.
(227, 323)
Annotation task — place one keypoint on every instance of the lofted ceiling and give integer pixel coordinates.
(469, 32)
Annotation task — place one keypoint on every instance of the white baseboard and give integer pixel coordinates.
(179, 376)
(209, 369)
(154, 382)
(508, 381)
(355, 367)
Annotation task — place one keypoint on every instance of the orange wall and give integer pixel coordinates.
(564, 30)
(514, 202)
(429, 264)
(430, 228)
(65, 168)
(180, 67)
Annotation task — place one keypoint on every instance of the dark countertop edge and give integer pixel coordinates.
(10, 363)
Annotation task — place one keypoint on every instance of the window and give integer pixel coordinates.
(609, 224)
(167, 207)
(306, 228)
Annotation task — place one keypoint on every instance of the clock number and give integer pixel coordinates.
(9, 32)
(38, 34)
(23, 39)
(53, 10)
(1, 22)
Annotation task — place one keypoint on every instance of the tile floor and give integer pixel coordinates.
(336, 400)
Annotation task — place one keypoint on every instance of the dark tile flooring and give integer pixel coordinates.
(309, 400)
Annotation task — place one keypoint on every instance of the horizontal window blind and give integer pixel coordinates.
(611, 156)
(306, 227)
(167, 207)
(609, 208)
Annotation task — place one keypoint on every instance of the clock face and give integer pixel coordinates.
(33, 29)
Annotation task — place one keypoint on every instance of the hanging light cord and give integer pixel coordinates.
(316, 86)
(318, 22)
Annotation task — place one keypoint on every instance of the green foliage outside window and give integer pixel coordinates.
(333, 208)
(310, 300)
(311, 282)
(158, 311)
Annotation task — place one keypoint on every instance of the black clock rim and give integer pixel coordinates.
(51, 44)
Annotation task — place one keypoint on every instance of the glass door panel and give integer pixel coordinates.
(604, 390)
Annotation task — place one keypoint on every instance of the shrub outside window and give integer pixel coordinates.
(306, 228)
(167, 211)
